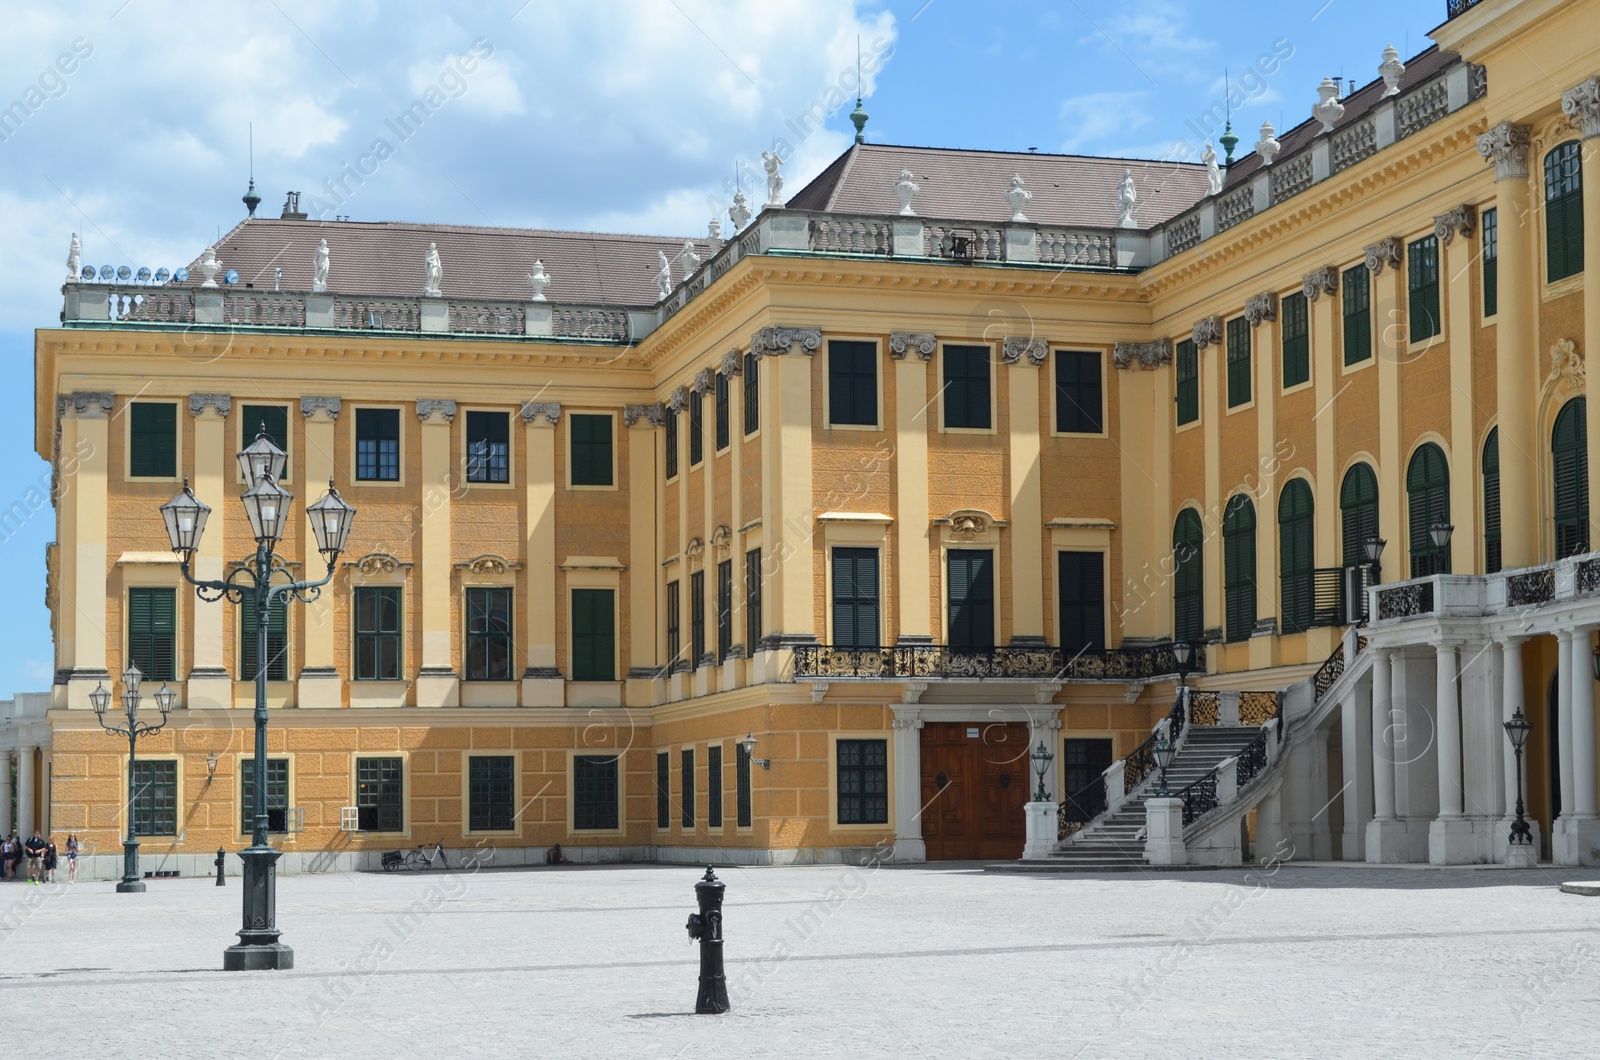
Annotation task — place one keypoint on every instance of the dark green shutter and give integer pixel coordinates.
(1428, 501)
(1188, 372)
(1563, 207)
(1491, 262)
(855, 598)
(697, 427)
(752, 393)
(277, 642)
(966, 387)
(276, 420)
(1569, 445)
(1239, 567)
(1238, 362)
(591, 450)
(1188, 582)
(152, 440)
(594, 635)
(1078, 392)
(1356, 284)
(672, 443)
(152, 632)
(1080, 583)
(1422, 285)
(852, 383)
(1295, 556)
(1296, 341)
(971, 589)
(1358, 513)
(1491, 502)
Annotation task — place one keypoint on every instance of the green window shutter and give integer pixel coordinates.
(1296, 341)
(1188, 375)
(1563, 208)
(277, 642)
(697, 427)
(663, 791)
(971, 595)
(721, 401)
(966, 386)
(1428, 502)
(1569, 446)
(1491, 502)
(686, 785)
(1358, 513)
(1080, 585)
(1356, 284)
(594, 635)
(594, 792)
(724, 609)
(275, 418)
(1422, 285)
(752, 601)
(674, 627)
(697, 618)
(1490, 227)
(1188, 561)
(1078, 392)
(855, 598)
(752, 393)
(1295, 557)
(1239, 568)
(714, 786)
(591, 450)
(672, 444)
(152, 632)
(491, 793)
(852, 383)
(152, 440)
(1238, 362)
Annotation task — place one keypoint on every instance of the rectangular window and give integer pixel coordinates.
(377, 635)
(741, 784)
(155, 798)
(663, 791)
(274, 418)
(697, 617)
(1296, 340)
(594, 635)
(491, 792)
(1563, 211)
(277, 641)
(752, 601)
(752, 393)
(594, 792)
(489, 635)
(971, 582)
(152, 440)
(966, 387)
(152, 632)
(1188, 372)
(1491, 262)
(672, 444)
(714, 786)
(1078, 397)
(852, 383)
(277, 795)
(1083, 764)
(591, 450)
(686, 782)
(863, 773)
(724, 609)
(1422, 286)
(1081, 585)
(1238, 362)
(378, 445)
(855, 598)
(1357, 296)
(674, 627)
(721, 398)
(697, 427)
(380, 803)
(488, 447)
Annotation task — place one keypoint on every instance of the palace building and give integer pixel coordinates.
(945, 459)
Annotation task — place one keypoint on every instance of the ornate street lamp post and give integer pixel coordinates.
(1164, 752)
(257, 585)
(1441, 533)
(1517, 729)
(131, 882)
(1041, 765)
(1373, 546)
(1183, 656)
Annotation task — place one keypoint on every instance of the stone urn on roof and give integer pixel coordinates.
(1019, 197)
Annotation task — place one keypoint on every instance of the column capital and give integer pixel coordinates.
(1385, 251)
(1035, 349)
(85, 404)
(221, 404)
(1325, 281)
(310, 407)
(533, 411)
(678, 400)
(427, 408)
(1458, 220)
(648, 416)
(1506, 145)
(703, 381)
(903, 342)
(1207, 332)
(1143, 354)
(732, 363)
(1581, 103)
(1263, 306)
(777, 341)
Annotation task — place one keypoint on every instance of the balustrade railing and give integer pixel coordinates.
(1531, 587)
(488, 319)
(852, 235)
(606, 325)
(1238, 205)
(1588, 577)
(1142, 761)
(1327, 674)
(829, 662)
(1205, 708)
(1291, 177)
(1421, 107)
(1404, 601)
(964, 242)
(1183, 234)
(1252, 760)
(1199, 798)
(1081, 807)
(1059, 246)
(1351, 145)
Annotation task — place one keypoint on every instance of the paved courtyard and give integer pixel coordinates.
(940, 961)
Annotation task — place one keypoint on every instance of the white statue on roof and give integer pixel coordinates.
(319, 270)
(905, 190)
(1127, 195)
(772, 163)
(1018, 197)
(688, 259)
(435, 273)
(663, 274)
(74, 259)
(739, 213)
(1213, 171)
(538, 279)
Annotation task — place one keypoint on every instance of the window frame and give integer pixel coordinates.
(743, 783)
(871, 349)
(1490, 453)
(509, 808)
(1436, 499)
(1187, 519)
(951, 616)
(1422, 290)
(153, 460)
(963, 404)
(714, 786)
(578, 822)
(589, 416)
(379, 804)
(278, 662)
(1186, 351)
(673, 597)
(861, 803)
(151, 672)
(697, 618)
(471, 636)
(1489, 260)
(362, 412)
(1241, 593)
(1239, 344)
(1570, 521)
(697, 428)
(153, 803)
(670, 444)
(1062, 403)
(1563, 211)
(721, 402)
(752, 600)
(751, 387)
(1297, 558)
(1294, 341)
(247, 795)
(379, 635)
(1091, 603)
(486, 477)
(663, 791)
(724, 609)
(686, 789)
(858, 605)
(1360, 334)
(600, 645)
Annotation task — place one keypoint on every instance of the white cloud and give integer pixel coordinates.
(1093, 118)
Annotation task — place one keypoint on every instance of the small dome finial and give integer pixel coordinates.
(858, 117)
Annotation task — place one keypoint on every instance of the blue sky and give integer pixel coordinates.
(621, 115)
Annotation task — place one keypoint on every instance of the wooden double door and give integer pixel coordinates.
(975, 782)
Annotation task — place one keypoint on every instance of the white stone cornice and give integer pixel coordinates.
(221, 404)
(1506, 145)
(427, 408)
(1142, 354)
(903, 342)
(1458, 220)
(1324, 281)
(1581, 103)
(331, 406)
(85, 404)
(533, 411)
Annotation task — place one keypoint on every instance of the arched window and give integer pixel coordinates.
(1569, 445)
(1239, 567)
(1428, 501)
(1563, 211)
(1358, 513)
(1491, 502)
(1295, 557)
(1188, 581)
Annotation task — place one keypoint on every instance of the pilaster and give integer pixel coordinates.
(1145, 411)
(1582, 104)
(82, 482)
(642, 423)
(908, 842)
(438, 685)
(210, 684)
(1208, 342)
(542, 684)
(1027, 521)
(1454, 230)
(910, 354)
(1325, 385)
(1261, 312)
(733, 666)
(1388, 308)
(789, 524)
(319, 684)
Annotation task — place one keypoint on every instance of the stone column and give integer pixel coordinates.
(1506, 145)
(1026, 533)
(1564, 666)
(1388, 309)
(319, 684)
(908, 842)
(1261, 313)
(1510, 705)
(1207, 336)
(542, 684)
(1583, 828)
(6, 824)
(1385, 833)
(437, 682)
(81, 485)
(642, 422)
(1325, 381)
(1355, 730)
(909, 354)
(1461, 314)
(1447, 713)
(27, 819)
(1582, 104)
(210, 684)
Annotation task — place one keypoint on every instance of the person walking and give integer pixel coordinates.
(52, 857)
(35, 850)
(73, 846)
(5, 856)
(16, 856)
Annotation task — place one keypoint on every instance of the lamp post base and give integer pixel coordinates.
(130, 883)
(258, 947)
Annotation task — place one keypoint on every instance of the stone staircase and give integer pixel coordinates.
(1115, 841)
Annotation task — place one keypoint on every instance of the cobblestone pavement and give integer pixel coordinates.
(1313, 961)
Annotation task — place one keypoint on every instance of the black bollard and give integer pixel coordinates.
(706, 926)
(222, 858)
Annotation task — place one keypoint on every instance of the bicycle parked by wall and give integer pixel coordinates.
(418, 859)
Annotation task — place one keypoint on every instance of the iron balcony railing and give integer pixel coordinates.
(1456, 8)
(835, 662)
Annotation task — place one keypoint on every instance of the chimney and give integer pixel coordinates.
(291, 208)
